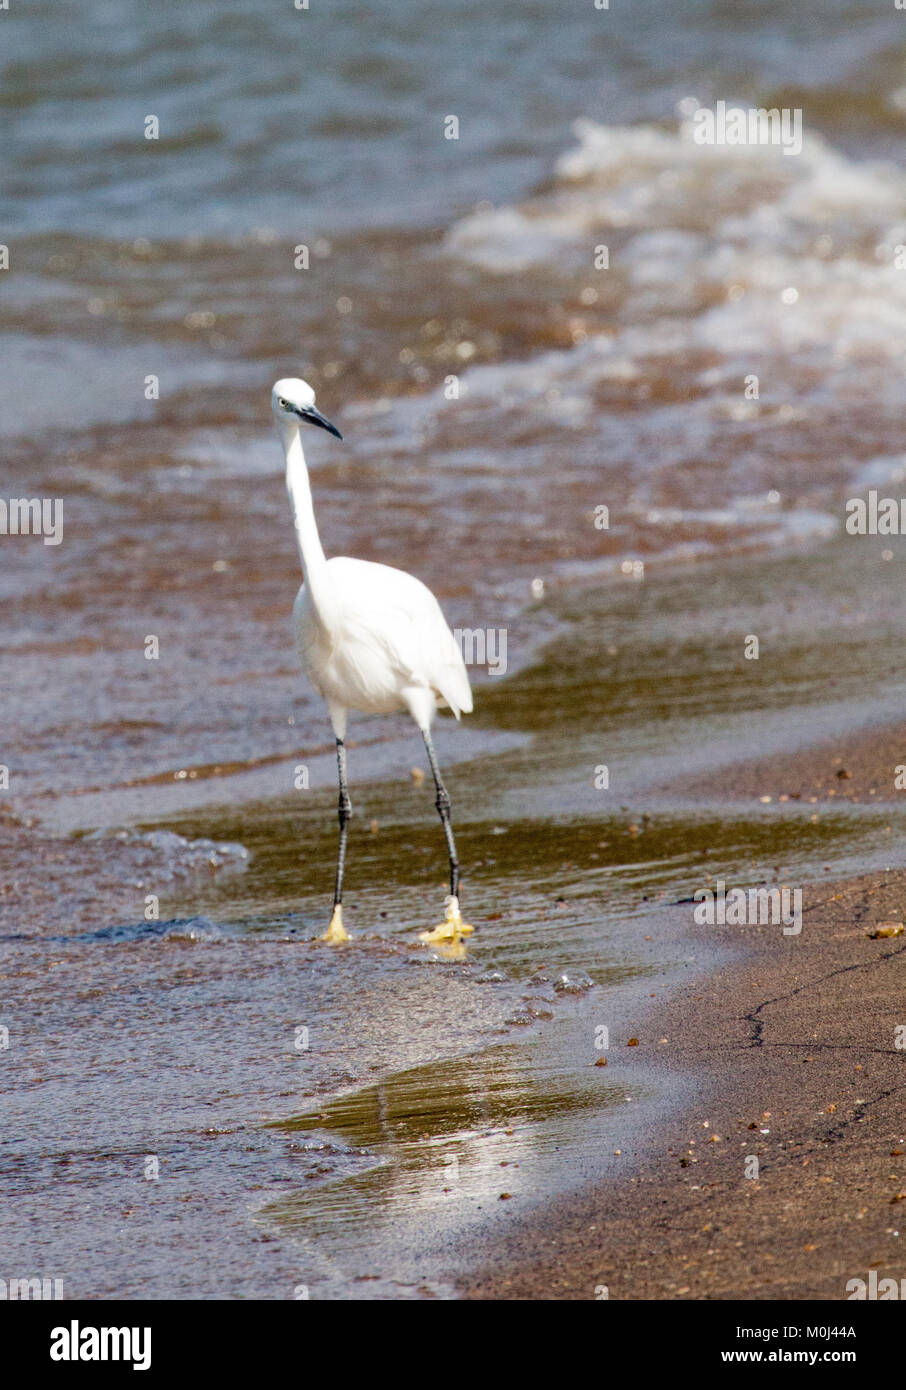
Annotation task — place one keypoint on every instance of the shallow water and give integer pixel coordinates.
(371, 1161)
(343, 1123)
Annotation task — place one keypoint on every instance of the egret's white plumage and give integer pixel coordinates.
(370, 637)
(382, 645)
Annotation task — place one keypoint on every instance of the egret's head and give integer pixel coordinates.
(293, 400)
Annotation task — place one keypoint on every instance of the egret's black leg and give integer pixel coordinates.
(336, 930)
(345, 811)
(452, 929)
(443, 810)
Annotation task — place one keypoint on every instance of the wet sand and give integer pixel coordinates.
(792, 1050)
(861, 766)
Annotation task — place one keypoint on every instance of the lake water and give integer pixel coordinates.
(495, 390)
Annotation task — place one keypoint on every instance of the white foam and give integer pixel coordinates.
(736, 252)
(692, 223)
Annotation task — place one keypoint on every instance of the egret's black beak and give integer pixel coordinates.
(314, 417)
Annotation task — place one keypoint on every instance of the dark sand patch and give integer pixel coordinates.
(861, 766)
(798, 1039)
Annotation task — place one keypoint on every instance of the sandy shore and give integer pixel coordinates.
(786, 1043)
(792, 1047)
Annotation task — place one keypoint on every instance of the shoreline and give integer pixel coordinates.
(550, 896)
(790, 1065)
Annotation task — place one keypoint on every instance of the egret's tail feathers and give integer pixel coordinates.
(455, 690)
(452, 679)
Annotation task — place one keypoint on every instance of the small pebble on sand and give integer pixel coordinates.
(886, 929)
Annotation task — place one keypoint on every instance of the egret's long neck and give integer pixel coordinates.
(297, 485)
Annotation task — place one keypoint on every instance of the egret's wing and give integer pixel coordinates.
(419, 647)
(392, 617)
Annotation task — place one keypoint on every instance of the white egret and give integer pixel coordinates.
(371, 638)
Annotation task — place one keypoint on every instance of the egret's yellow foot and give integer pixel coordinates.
(451, 929)
(336, 931)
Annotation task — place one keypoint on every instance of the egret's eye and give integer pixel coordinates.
(282, 404)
